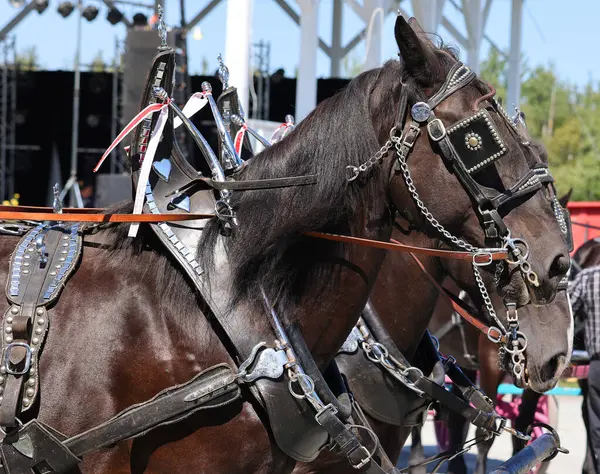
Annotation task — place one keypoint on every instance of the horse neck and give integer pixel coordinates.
(403, 295)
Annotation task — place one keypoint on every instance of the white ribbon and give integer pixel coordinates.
(194, 104)
(140, 192)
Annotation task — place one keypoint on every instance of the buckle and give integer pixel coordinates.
(329, 407)
(364, 461)
(6, 364)
(436, 130)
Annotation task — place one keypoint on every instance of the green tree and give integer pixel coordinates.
(351, 65)
(28, 60)
(98, 64)
(565, 118)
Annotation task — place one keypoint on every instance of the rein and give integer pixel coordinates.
(453, 300)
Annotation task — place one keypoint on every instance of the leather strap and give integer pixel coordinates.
(101, 218)
(478, 257)
(453, 300)
(251, 184)
(65, 210)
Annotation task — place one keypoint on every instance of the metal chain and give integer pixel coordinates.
(426, 213)
(352, 172)
(486, 299)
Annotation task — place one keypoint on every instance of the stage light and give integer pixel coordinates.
(65, 9)
(114, 16)
(139, 19)
(41, 5)
(90, 13)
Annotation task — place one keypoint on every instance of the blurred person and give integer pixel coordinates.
(584, 292)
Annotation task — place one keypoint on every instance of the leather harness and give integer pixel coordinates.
(54, 256)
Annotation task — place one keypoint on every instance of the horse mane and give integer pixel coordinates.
(268, 249)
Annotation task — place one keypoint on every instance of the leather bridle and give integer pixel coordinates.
(469, 146)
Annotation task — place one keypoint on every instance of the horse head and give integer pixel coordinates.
(473, 176)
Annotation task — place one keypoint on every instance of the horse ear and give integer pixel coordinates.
(416, 50)
(565, 199)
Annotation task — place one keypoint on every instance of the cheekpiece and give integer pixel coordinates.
(476, 141)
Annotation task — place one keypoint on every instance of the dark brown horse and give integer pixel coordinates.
(405, 298)
(129, 323)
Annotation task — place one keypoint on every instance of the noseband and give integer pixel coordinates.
(469, 146)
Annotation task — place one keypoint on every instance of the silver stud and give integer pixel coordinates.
(9, 339)
(33, 350)
(30, 392)
(38, 330)
(0, 399)
(52, 273)
(14, 310)
(8, 329)
(41, 321)
(62, 259)
(35, 340)
(1, 380)
(26, 402)
(32, 371)
(66, 237)
(31, 249)
(25, 264)
(64, 252)
(57, 266)
(25, 272)
(9, 320)
(39, 311)
(2, 370)
(65, 244)
(27, 257)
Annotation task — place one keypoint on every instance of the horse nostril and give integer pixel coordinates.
(549, 371)
(559, 267)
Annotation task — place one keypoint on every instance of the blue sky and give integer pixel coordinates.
(563, 33)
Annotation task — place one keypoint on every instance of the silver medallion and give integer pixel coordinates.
(420, 112)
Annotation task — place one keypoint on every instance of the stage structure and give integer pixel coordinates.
(430, 14)
(8, 113)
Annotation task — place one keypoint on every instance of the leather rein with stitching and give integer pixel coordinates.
(33, 213)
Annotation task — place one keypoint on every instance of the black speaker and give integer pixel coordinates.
(112, 188)
(140, 48)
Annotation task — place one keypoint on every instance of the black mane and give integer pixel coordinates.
(267, 247)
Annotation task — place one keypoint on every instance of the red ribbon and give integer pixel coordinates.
(149, 110)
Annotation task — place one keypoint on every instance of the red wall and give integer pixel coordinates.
(584, 213)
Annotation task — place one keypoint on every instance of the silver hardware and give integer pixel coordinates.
(162, 29)
(420, 112)
(181, 202)
(236, 119)
(223, 72)
(223, 134)
(350, 345)
(6, 363)
(209, 154)
(270, 363)
(40, 245)
(56, 203)
(436, 130)
(352, 172)
(163, 169)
